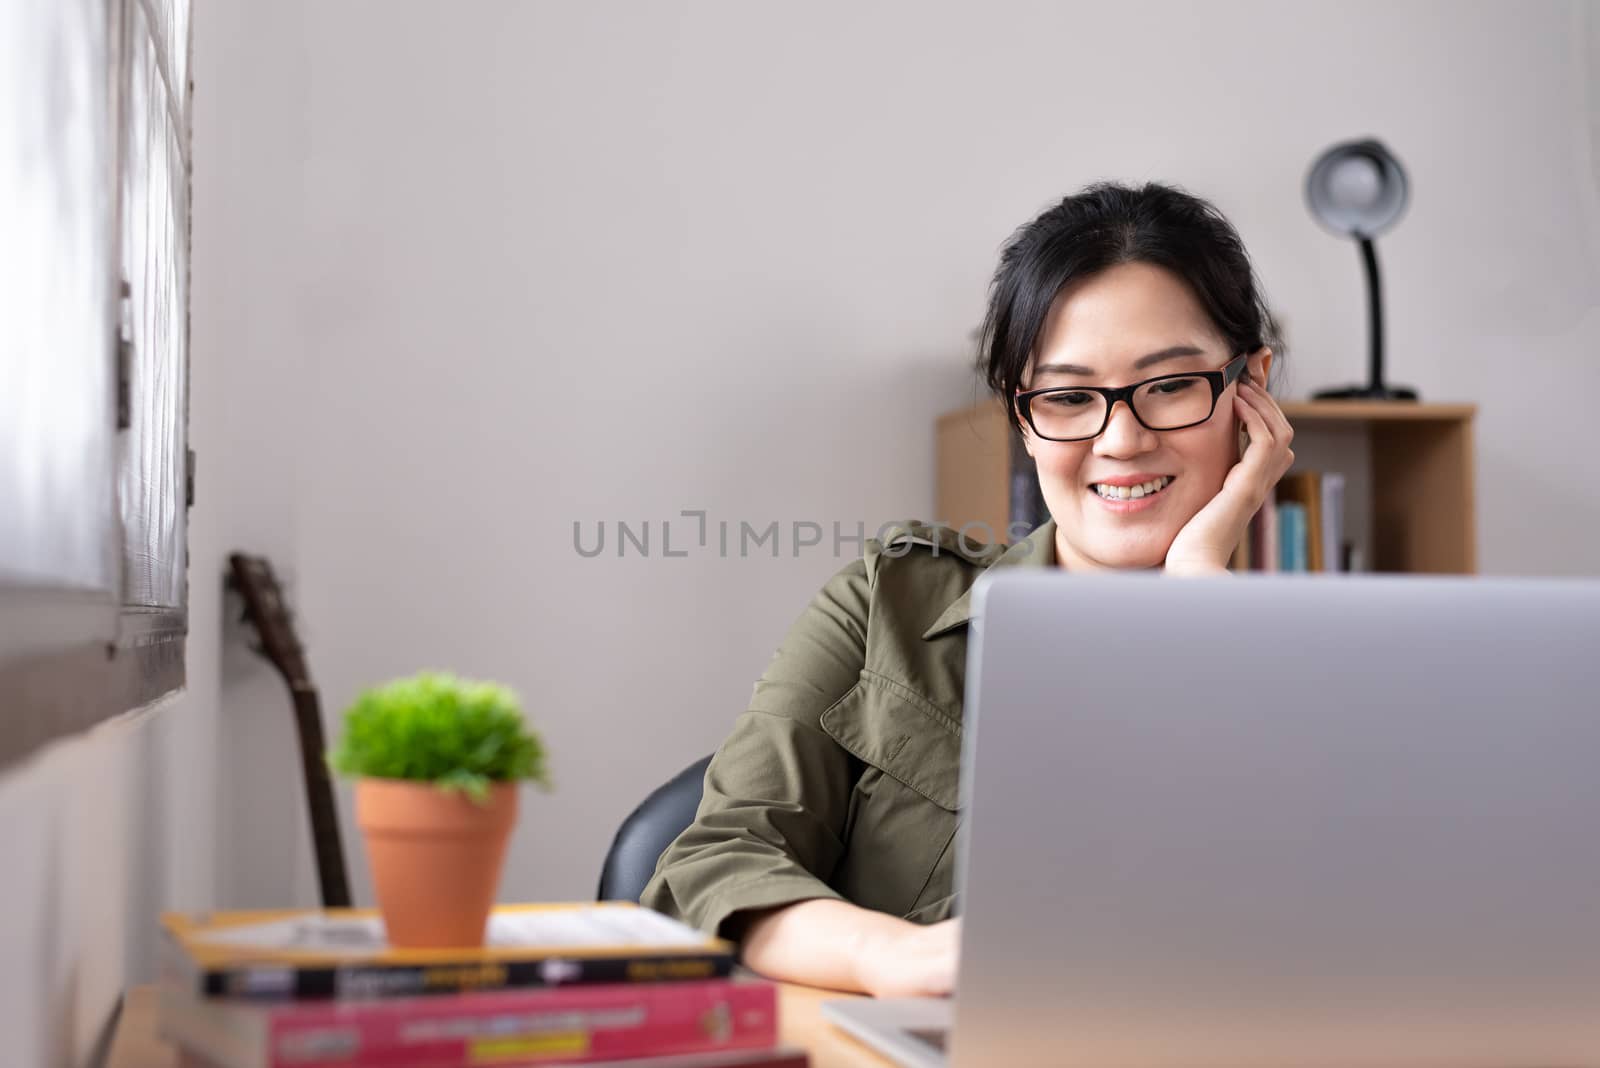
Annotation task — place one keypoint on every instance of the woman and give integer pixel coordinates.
(824, 840)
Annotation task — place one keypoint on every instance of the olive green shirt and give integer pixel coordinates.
(841, 780)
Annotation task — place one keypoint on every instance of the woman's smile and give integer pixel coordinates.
(1123, 495)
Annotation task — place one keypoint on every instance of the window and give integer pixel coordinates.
(94, 466)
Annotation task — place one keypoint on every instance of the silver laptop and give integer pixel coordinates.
(1273, 821)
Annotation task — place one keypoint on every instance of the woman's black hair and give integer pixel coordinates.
(1105, 225)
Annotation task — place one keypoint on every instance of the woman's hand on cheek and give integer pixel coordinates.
(1206, 542)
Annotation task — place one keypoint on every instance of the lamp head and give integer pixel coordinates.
(1357, 189)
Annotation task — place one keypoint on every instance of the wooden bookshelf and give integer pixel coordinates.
(1409, 471)
(972, 458)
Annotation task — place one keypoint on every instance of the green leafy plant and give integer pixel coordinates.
(460, 734)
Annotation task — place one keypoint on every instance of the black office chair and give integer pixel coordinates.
(648, 830)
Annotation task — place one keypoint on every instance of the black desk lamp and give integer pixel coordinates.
(1358, 189)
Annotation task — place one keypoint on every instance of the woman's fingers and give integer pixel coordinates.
(1267, 425)
(1268, 404)
(1252, 399)
(1261, 437)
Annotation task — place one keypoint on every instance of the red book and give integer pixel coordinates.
(578, 1024)
(1264, 537)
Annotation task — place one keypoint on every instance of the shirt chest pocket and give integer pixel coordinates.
(903, 810)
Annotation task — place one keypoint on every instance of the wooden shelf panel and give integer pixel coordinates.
(973, 466)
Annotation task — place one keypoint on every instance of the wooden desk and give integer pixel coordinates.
(800, 1022)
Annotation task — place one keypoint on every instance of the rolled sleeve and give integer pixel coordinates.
(770, 827)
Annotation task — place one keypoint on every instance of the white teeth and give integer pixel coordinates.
(1123, 493)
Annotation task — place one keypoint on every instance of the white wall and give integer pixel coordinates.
(102, 831)
(250, 115)
(557, 262)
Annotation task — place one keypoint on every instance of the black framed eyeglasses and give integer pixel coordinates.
(1168, 402)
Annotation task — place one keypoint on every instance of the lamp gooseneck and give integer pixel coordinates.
(1369, 256)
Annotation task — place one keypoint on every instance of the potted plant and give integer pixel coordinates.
(437, 761)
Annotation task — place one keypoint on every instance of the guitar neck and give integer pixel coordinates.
(267, 611)
(325, 838)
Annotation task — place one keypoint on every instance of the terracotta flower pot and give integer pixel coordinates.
(436, 858)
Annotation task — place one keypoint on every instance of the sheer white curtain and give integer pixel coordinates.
(57, 428)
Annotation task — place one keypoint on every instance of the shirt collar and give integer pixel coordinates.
(1036, 550)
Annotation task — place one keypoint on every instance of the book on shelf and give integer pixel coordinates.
(1266, 537)
(341, 953)
(1292, 552)
(557, 1025)
(1333, 521)
(1304, 488)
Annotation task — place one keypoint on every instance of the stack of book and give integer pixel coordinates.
(595, 984)
(1300, 529)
